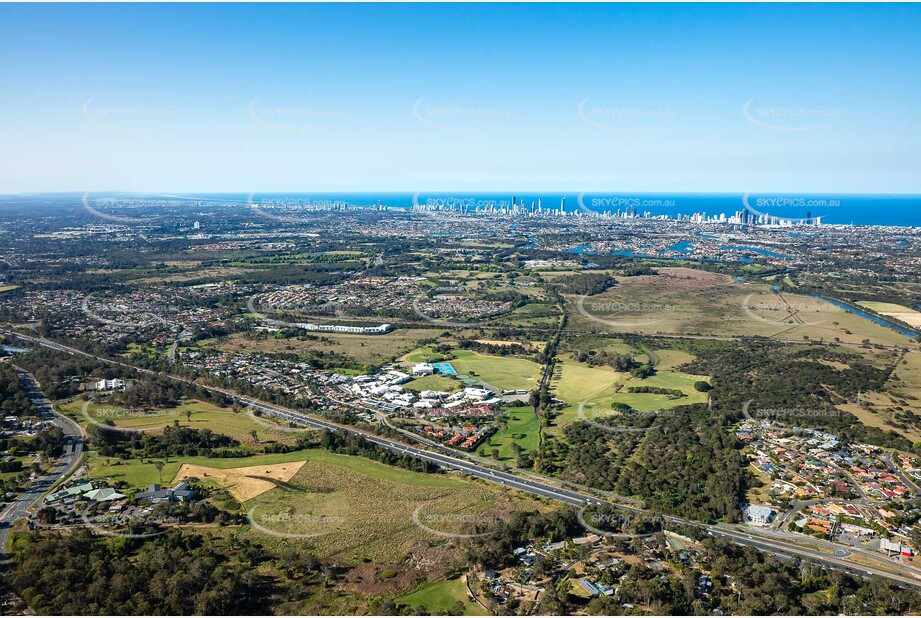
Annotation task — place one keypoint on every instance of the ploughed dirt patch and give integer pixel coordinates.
(243, 483)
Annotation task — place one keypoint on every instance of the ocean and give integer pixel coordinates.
(863, 209)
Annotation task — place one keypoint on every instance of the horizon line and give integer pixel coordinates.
(511, 192)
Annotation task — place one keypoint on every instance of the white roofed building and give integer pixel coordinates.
(423, 369)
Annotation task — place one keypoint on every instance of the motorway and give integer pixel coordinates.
(779, 543)
(444, 461)
(838, 558)
(20, 506)
(470, 457)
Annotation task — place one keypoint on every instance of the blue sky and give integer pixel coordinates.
(700, 98)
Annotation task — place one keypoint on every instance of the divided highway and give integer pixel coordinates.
(836, 557)
(451, 463)
(20, 505)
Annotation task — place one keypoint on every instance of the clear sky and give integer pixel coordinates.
(698, 98)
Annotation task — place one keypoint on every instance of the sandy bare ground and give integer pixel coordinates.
(912, 318)
(243, 483)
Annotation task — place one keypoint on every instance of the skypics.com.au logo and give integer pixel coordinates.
(459, 118)
(128, 119)
(133, 420)
(789, 119)
(628, 314)
(813, 209)
(292, 423)
(790, 313)
(622, 119)
(102, 208)
(291, 118)
(136, 524)
(793, 414)
(619, 525)
(626, 205)
(459, 203)
(444, 310)
(292, 210)
(151, 318)
(440, 524)
(623, 420)
(286, 522)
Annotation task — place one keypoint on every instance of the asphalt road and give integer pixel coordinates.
(20, 506)
(837, 560)
(777, 545)
(913, 485)
(444, 461)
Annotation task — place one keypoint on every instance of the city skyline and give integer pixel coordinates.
(460, 309)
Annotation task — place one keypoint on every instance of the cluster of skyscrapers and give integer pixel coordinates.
(473, 204)
(519, 207)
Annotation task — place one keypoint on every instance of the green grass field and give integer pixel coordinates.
(597, 387)
(237, 425)
(573, 382)
(345, 371)
(648, 402)
(522, 427)
(26, 462)
(145, 350)
(434, 383)
(461, 274)
(532, 314)
(142, 472)
(507, 373)
(442, 597)
(669, 359)
(900, 312)
(881, 307)
(361, 510)
(423, 355)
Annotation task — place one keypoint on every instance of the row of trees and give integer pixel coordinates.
(172, 442)
(616, 360)
(13, 399)
(588, 284)
(61, 375)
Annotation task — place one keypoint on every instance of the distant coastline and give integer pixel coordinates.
(892, 210)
